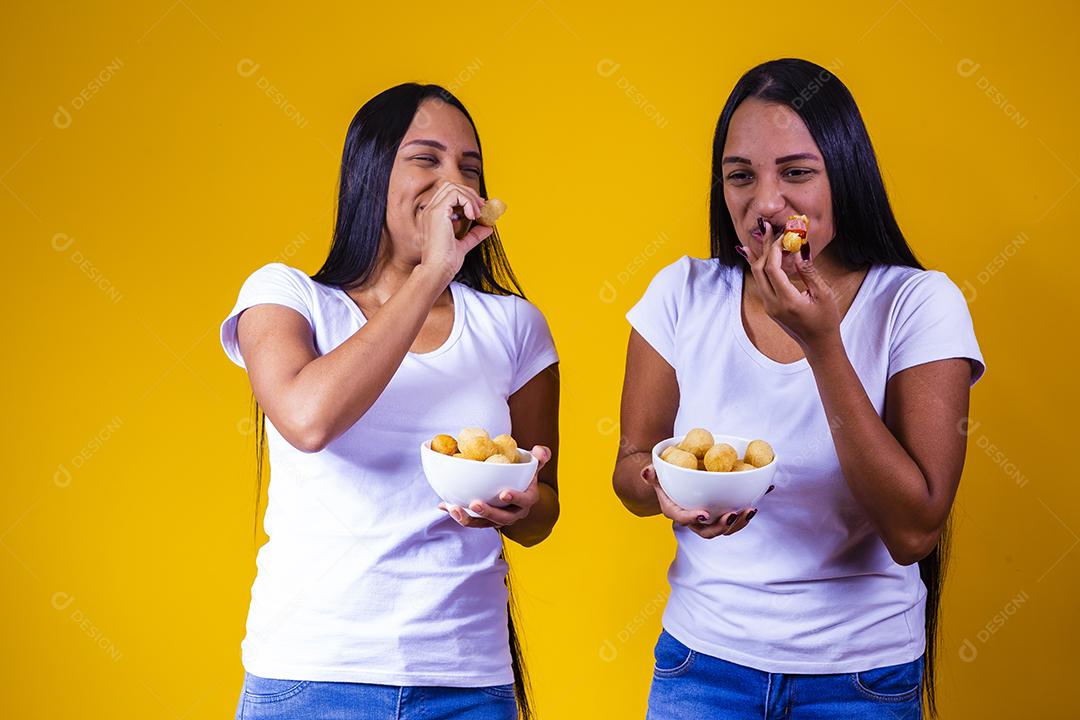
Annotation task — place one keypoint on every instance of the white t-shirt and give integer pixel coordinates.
(808, 586)
(363, 578)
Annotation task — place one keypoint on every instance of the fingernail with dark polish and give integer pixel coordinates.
(702, 519)
(750, 515)
(771, 488)
(761, 225)
(732, 518)
(742, 251)
(805, 252)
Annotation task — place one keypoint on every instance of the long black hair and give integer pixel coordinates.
(371, 145)
(866, 229)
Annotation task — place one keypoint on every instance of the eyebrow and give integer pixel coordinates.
(779, 160)
(439, 146)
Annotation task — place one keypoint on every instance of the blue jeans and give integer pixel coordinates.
(689, 684)
(267, 699)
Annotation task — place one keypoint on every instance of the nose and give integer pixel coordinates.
(452, 173)
(768, 200)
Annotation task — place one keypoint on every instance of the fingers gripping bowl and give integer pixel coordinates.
(728, 484)
(474, 466)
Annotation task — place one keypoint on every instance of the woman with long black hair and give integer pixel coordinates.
(856, 364)
(372, 599)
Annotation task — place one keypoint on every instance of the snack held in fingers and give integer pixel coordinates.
(794, 233)
(492, 211)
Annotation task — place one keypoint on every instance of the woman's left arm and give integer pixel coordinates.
(903, 471)
(530, 515)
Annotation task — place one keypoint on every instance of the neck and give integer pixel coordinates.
(387, 277)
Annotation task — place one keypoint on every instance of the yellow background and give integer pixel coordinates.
(131, 221)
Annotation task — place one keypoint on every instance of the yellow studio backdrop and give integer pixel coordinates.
(155, 153)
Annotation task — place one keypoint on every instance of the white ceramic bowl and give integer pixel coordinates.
(716, 492)
(459, 481)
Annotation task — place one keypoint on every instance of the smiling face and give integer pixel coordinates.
(773, 169)
(439, 146)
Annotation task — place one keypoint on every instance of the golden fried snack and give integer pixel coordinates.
(460, 455)
(697, 442)
(741, 466)
(681, 458)
(507, 447)
(499, 459)
(470, 432)
(492, 210)
(445, 444)
(476, 444)
(721, 458)
(759, 453)
(794, 233)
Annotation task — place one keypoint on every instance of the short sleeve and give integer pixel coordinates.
(931, 322)
(656, 314)
(274, 284)
(535, 346)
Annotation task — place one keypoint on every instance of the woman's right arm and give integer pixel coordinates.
(650, 401)
(312, 399)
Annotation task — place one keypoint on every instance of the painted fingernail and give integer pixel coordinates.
(742, 251)
(732, 518)
(805, 252)
(761, 225)
(702, 519)
(771, 488)
(750, 515)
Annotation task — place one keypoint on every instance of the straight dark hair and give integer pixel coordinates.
(371, 145)
(866, 229)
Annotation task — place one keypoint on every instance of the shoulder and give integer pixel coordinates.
(688, 277)
(912, 290)
(508, 311)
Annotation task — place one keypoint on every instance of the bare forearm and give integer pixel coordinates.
(638, 496)
(882, 476)
(333, 391)
(538, 524)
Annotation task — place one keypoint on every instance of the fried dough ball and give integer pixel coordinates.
(492, 210)
(759, 453)
(697, 442)
(741, 466)
(470, 432)
(460, 455)
(507, 447)
(476, 444)
(721, 458)
(498, 459)
(445, 444)
(794, 233)
(681, 458)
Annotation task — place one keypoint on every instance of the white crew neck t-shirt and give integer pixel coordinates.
(363, 578)
(808, 586)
